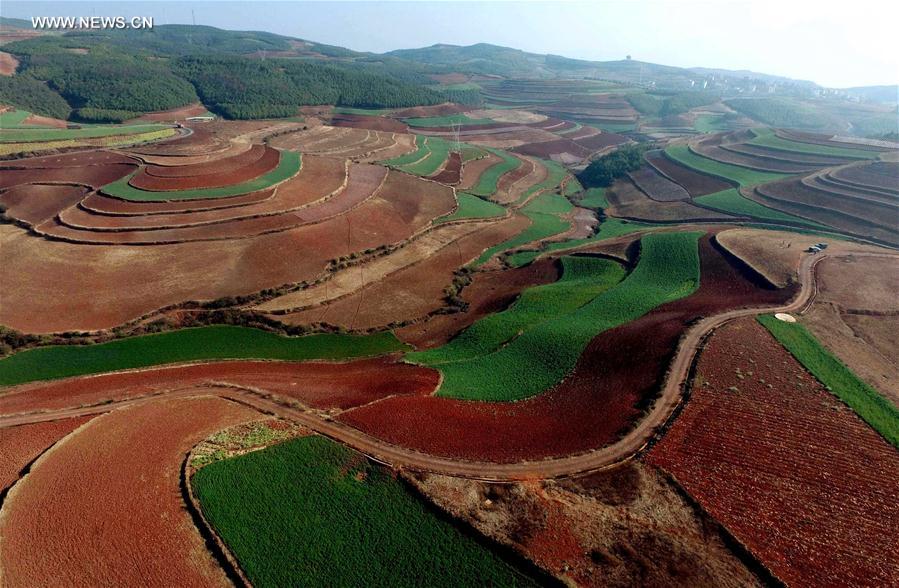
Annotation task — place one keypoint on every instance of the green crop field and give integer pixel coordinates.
(572, 187)
(196, 344)
(734, 173)
(288, 166)
(310, 512)
(13, 118)
(735, 203)
(710, 123)
(447, 121)
(766, 138)
(438, 151)
(544, 213)
(470, 152)
(486, 185)
(421, 142)
(471, 206)
(542, 355)
(583, 279)
(873, 408)
(594, 198)
(34, 134)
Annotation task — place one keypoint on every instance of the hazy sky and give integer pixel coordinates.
(834, 43)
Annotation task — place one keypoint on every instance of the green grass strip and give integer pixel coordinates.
(470, 152)
(733, 202)
(421, 144)
(201, 343)
(447, 121)
(48, 134)
(545, 222)
(556, 174)
(288, 166)
(710, 123)
(543, 355)
(438, 151)
(743, 176)
(583, 279)
(572, 187)
(311, 512)
(486, 185)
(766, 138)
(867, 403)
(594, 198)
(610, 228)
(471, 206)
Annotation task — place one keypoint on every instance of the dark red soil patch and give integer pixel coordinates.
(222, 165)
(819, 139)
(657, 186)
(452, 170)
(716, 153)
(92, 175)
(696, 184)
(600, 141)
(75, 159)
(508, 179)
(19, 446)
(546, 149)
(792, 472)
(100, 203)
(227, 173)
(489, 292)
(445, 109)
(591, 408)
(318, 384)
(881, 175)
(787, 156)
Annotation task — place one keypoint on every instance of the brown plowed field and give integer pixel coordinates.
(104, 507)
(8, 64)
(509, 179)
(825, 182)
(375, 123)
(173, 114)
(582, 133)
(19, 446)
(364, 180)
(426, 111)
(489, 292)
(750, 161)
(819, 139)
(452, 170)
(78, 159)
(793, 473)
(557, 147)
(201, 142)
(780, 155)
(90, 175)
(881, 175)
(45, 121)
(536, 175)
(695, 183)
(657, 186)
(589, 409)
(228, 173)
(629, 202)
(55, 286)
(322, 385)
(856, 316)
(300, 199)
(220, 165)
(35, 203)
(413, 291)
(472, 170)
(231, 150)
(600, 141)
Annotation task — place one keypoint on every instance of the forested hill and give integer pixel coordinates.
(114, 75)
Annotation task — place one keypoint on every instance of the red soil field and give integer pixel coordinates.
(819, 139)
(219, 165)
(657, 186)
(375, 123)
(696, 184)
(711, 148)
(19, 446)
(547, 149)
(201, 142)
(788, 156)
(589, 409)
(426, 111)
(599, 141)
(413, 291)
(102, 204)
(77, 159)
(509, 179)
(489, 292)
(319, 384)
(452, 170)
(51, 286)
(91, 175)
(228, 173)
(74, 224)
(793, 473)
(582, 133)
(231, 150)
(35, 203)
(104, 507)
(45, 121)
(860, 208)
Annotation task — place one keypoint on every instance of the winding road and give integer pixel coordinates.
(607, 457)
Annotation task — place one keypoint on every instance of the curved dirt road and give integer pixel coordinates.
(622, 450)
